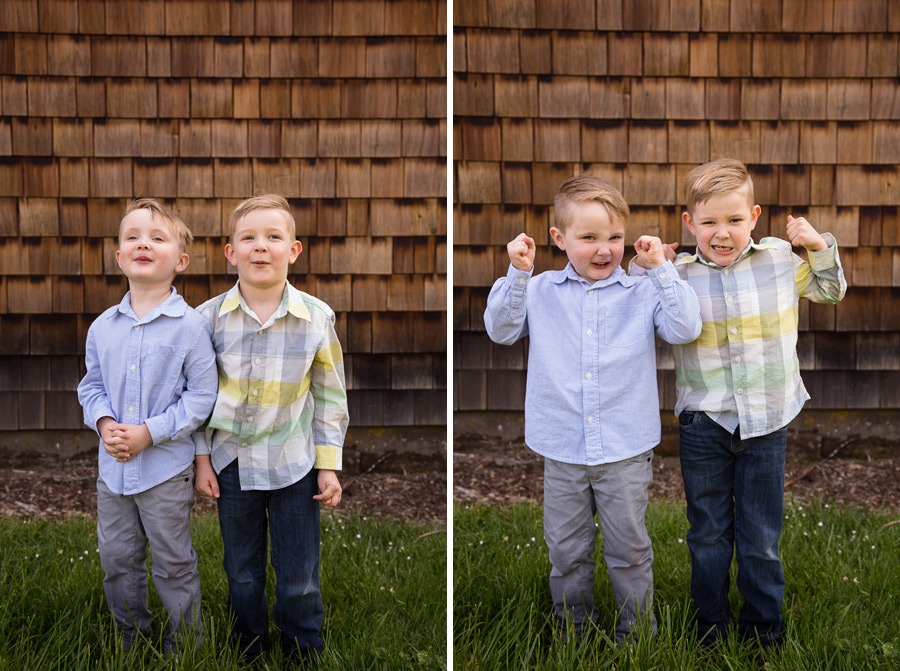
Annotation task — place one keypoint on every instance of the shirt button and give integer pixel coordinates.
(730, 299)
(662, 275)
(590, 292)
(740, 391)
(133, 367)
(734, 330)
(737, 359)
(522, 280)
(250, 418)
(726, 271)
(137, 328)
(590, 420)
(255, 392)
(588, 376)
(131, 409)
(256, 361)
(589, 332)
(243, 444)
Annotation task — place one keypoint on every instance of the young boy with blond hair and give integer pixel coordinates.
(150, 383)
(738, 386)
(591, 404)
(274, 441)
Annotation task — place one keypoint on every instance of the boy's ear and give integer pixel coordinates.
(687, 221)
(182, 262)
(754, 215)
(296, 248)
(558, 237)
(229, 254)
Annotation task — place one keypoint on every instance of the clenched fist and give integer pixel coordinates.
(521, 252)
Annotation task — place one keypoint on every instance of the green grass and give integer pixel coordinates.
(841, 567)
(383, 587)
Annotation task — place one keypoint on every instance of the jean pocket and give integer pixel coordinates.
(624, 326)
(688, 419)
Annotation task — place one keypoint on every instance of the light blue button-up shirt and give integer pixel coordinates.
(591, 395)
(159, 371)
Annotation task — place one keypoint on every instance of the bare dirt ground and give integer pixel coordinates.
(53, 489)
(497, 472)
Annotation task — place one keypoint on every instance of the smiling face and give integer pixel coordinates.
(722, 225)
(262, 248)
(149, 252)
(593, 241)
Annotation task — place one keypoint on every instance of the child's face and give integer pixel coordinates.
(722, 226)
(262, 248)
(593, 242)
(148, 250)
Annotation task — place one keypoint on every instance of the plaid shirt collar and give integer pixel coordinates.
(698, 256)
(291, 302)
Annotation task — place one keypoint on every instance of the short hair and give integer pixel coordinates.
(178, 228)
(717, 178)
(267, 201)
(585, 188)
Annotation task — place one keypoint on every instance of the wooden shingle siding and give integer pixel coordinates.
(639, 93)
(339, 106)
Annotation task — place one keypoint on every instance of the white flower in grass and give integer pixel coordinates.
(856, 580)
(532, 539)
(873, 547)
(359, 535)
(681, 540)
(845, 578)
(408, 558)
(820, 524)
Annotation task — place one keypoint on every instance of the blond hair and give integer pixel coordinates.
(716, 178)
(177, 227)
(268, 201)
(586, 188)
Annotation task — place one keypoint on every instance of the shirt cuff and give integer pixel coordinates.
(826, 258)
(518, 279)
(158, 430)
(201, 445)
(328, 457)
(664, 275)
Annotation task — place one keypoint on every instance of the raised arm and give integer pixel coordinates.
(505, 318)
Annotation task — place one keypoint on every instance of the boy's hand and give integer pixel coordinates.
(521, 252)
(205, 481)
(652, 253)
(802, 234)
(329, 487)
(127, 440)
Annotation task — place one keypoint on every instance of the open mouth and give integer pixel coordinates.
(722, 249)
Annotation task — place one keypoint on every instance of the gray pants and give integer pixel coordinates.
(160, 515)
(617, 492)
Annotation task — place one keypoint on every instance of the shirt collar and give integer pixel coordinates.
(618, 275)
(173, 306)
(698, 257)
(291, 302)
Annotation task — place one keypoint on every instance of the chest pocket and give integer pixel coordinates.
(163, 364)
(624, 326)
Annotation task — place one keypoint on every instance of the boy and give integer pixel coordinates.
(591, 405)
(738, 386)
(150, 383)
(276, 433)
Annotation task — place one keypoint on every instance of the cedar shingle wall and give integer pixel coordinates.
(806, 92)
(339, 106)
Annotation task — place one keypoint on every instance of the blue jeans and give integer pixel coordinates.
(292, 518)
(735, 501)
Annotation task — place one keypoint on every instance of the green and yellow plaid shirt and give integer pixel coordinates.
(282, 403)
(743, 369)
